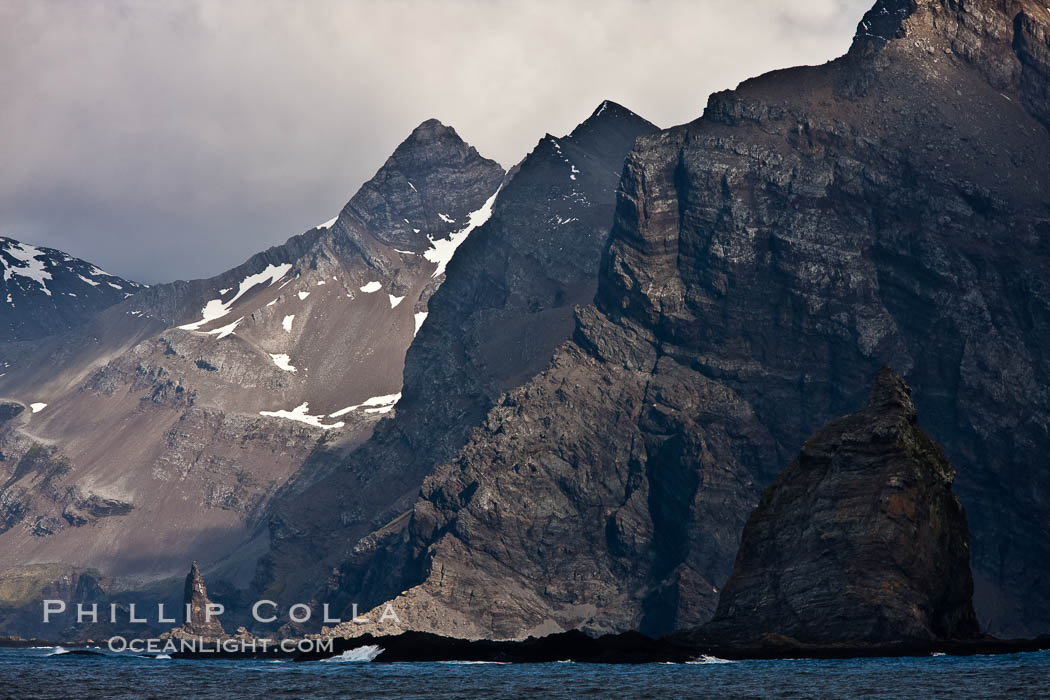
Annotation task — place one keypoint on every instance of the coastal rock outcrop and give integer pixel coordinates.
(200, 618)
(859, 541)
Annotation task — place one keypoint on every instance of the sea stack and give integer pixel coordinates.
(196, 602)
(859, 542)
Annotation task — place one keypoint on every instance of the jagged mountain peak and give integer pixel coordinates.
(611, 119)
(404, 204)
(610, 129)
(609, 110)
(431, 129)
(431, 138)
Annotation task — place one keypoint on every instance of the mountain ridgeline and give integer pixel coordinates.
(512, 404)
(890, 207)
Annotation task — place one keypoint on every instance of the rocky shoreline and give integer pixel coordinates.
(575, 646)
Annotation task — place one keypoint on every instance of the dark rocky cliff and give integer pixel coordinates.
(859, 541)
(890, 207)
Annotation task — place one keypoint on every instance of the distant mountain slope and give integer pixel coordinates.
(507, 304)
(44, 291)
(162, 428)
(890, 207)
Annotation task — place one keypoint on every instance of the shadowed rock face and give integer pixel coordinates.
(859, 541)
(507, 303)
(888, 208)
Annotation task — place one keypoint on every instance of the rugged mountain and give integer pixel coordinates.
(859, 541)
(160, 429)
(506, 305)
(45, 291)
(890, 207)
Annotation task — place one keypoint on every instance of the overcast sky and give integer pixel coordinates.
(166, 140)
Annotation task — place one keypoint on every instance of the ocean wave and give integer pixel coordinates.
(705, 659)
(58, 650)
(359, 654)
(466, 663)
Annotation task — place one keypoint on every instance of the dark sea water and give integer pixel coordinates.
(38, 673)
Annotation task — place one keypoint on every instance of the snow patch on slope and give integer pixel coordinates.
(394, 301)
(301, 414)
(371, 287)
(442, 250)
(33, 260)
(376, 404)
(217, 308)
(226, 330)
(283, 362)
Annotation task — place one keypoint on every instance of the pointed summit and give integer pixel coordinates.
(430, 130)
(611, 120)
(426, 190)
(611, 110)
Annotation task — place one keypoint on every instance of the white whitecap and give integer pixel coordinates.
(358, 655)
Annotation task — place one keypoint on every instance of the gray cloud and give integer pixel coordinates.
(173, 140)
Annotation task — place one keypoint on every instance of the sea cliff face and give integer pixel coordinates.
(817, 223)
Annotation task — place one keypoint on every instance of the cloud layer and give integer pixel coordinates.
(173, 140)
